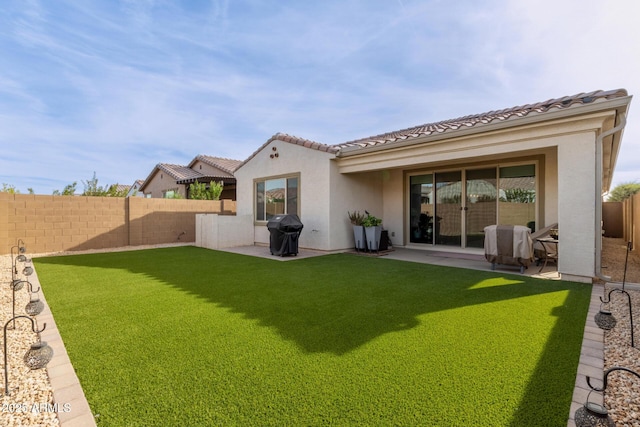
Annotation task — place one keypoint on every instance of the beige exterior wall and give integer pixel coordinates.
(314, 190)
(70, 223)
(350, 193)
(577, 206)
(563, 149)
(161, 182)
(565, 155)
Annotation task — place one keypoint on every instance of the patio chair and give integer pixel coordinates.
(547, 252)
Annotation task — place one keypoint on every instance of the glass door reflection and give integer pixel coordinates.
(480, 204)
(448, 214)
(421, 209)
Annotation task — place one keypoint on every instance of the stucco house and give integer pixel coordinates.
(166, 179)
(536, 164)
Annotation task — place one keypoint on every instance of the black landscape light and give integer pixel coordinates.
(19, 258)
(593, 414)
(34, 307)
(35, 358)
(38, 355)
(16, 285)
(605, 320)
(27, 270)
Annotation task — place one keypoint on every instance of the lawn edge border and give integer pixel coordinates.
(73, 410)
(591, 356)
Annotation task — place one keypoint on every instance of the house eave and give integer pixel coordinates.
(620, 104)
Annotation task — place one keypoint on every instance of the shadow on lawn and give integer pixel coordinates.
(337, 303)
(334, 303)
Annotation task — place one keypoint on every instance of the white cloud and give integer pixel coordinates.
(119, 87)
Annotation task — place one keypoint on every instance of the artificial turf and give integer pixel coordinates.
(189, 336)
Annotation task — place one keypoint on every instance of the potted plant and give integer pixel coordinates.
(373, 231)
(357, 220)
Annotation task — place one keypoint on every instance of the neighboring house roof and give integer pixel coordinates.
(122, 188)
(134, 190)
(176, 172)
(483, 119)
(225, 165)
(185, 174)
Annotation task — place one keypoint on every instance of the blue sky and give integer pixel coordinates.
(117, 86)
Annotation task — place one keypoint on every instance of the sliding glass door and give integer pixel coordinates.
(421, 208)
(480, 204)
(452, 208)
(448, 220)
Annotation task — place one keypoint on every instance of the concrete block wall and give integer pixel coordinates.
(68, 223)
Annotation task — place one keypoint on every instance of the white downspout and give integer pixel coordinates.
(598, 224)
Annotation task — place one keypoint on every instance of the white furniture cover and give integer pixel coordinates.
(508, 244)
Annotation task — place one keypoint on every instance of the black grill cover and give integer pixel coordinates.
(284, 231)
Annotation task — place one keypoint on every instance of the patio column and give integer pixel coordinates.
(577, 206)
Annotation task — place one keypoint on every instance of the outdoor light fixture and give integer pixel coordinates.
(27, 271)
(605, 320)
(36, 357)
(16, 285)
(592, 414)
(34, 307)
(14, 259)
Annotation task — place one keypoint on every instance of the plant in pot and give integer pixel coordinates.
(373, 231)
(357, 219)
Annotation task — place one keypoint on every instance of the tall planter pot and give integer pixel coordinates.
(359, 237)
(373, 235)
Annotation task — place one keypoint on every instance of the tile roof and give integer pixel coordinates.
(178, 172)
(484, 118)
(122, 187)
(224, 164)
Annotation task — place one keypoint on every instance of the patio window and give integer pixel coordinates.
(276, 196)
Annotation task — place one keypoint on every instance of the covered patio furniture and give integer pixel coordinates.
(508, 245)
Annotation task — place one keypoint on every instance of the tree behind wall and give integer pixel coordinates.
(199, 190)
(623, 191)
(91, 188)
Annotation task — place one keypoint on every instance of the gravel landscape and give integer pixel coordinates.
(31, 391)
(623, 389)
(31, 396)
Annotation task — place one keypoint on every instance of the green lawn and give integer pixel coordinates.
(192, 337)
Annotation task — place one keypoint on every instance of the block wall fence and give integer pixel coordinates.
(74, 223)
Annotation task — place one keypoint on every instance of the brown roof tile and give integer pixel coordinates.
(224, 164)
(178, 172)
(484, 118)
